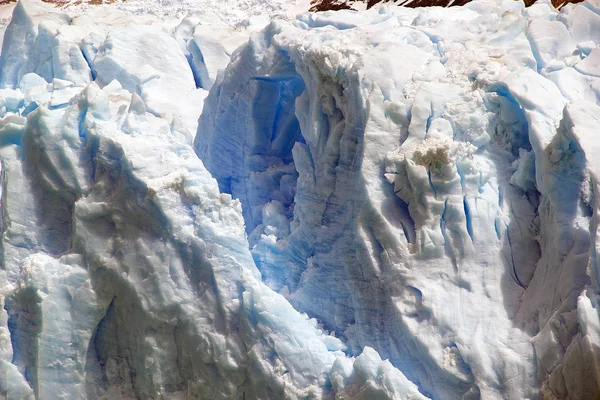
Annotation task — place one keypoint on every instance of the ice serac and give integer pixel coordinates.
(27, 45)
(579, 374)
(419, 203)
(208, 43)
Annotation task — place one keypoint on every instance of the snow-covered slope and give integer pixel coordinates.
(416, 185)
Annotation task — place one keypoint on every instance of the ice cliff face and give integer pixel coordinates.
(414, 186)
(427, 221)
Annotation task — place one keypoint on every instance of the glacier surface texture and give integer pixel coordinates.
(389, 204)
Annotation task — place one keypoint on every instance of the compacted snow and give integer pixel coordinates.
(391, 204)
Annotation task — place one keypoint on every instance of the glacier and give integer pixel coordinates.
(387, 204)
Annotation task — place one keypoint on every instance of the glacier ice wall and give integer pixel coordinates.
(396, 204)
(428, 220)
(126, 273)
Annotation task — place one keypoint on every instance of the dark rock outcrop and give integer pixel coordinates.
(328, 5)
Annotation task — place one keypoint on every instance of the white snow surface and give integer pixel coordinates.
(233, 12)
(387, 204)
